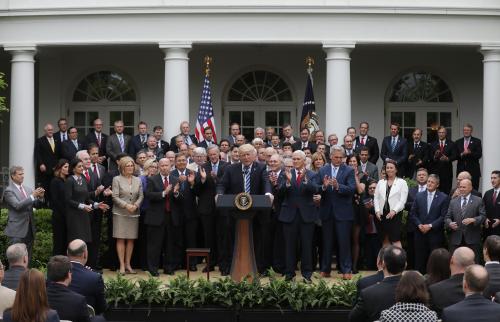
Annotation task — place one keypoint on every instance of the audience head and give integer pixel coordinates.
(462, 258)
(164, 166)
(61, 169)
(258, 143)
(422, 175)
(475, 279)
(465, 187)
(16, 174)
(180, 161)
(442, 132)
(62, 124)
(119, 127)
(247, 154)
(49, 130)
(200, 155)
(17, 255)
(412, 288)
(391, 169)
(467, 130)
(235, 157)
(491, 248)
(184, 127)
(333, 139)
(417, 135)
(351, 130)
(213, 153)
(287, 130)
(394, 260)
(304, 134)
(394, 129)
(150, 167)
(348, 141)
(275, 162)
(158, 132)
(152, 142)
(259, 133)
(363, 128)
(299, 159)
(432, 182)
(353, 161)
(318, 160)
(269, 133)
(171, 156)
(380, 258)
(140, 157)
(77, 251)
(495, 178)
(463, 175)
(337, 154)
(287, 146)
(364, 154)
(319, 137)
(235, 129)
(438, 266)
(208, 133)
(31, 303)
(224, 145)
(84, 156)
(98, 125)
(73, 133)
(59, 270)
(126, 166)
(76, 166)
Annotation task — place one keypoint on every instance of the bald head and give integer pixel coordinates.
(475, 279)
(462, 258)
(464, 175)
(465, 187)
(77, 251)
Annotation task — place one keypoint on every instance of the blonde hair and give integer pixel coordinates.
(123, 163)
(147, 165)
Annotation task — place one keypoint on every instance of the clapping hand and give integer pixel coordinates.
(391, 214)
(104, 207)
(468, 221)
(38, 193)
(288, 175)
(87, 208)
(176, 188)
(108, 192)
(326, 182)
(273, 178)
(453, 225)
(203, 174)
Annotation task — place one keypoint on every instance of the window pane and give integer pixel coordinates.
(114, 116)
(285, 118)
(407, 133)
(248, 118)
(432, 119)
(409, 119)
(79, 119)
(128, 130)
(397, 117)
(445, 119)
(234, 117)
(259, 85)
(271, 119)
(91, 116)
(128, 118)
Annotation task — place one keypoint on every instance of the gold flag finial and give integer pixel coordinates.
(310, 63)
(207, 60)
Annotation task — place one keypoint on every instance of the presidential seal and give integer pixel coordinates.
(243, 201)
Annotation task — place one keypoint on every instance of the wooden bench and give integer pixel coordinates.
(198, 252)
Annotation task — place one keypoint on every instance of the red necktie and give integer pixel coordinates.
(99, 139)
(23, 192)
(441, 146)
(495, 195)
(362, 141)
(299, 177)
(167, 197)
(87, 176)
(95, 171)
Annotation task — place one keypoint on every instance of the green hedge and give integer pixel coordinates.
(224, 292)
(42, 248)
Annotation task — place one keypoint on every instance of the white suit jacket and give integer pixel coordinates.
(397, 196)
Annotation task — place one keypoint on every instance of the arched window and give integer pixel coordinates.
(259, 85)
(421, 87)
(104, 86)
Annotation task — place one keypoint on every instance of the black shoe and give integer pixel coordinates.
(289, 278)
(205, 269)
(192, 268)
(154, 274)
(307, 280)
(169, 271)
(224, 272)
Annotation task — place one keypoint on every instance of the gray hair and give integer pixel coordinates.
(16, 252)
(300, 153)
(213, 147)
(199, 151)
(258, 129)
(14, 169)
(434, 176)
(76, 248)
(336, 148)
(79, 154)
(259, 140)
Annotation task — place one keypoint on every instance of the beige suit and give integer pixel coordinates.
(126, 224)
(7, 297)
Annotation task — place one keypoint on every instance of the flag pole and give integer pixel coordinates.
(207, 60)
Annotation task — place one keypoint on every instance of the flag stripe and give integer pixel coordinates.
(205, 113)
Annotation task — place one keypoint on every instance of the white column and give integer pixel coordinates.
(338, 88)
(176, 102)
(22, 110)
(491, 112)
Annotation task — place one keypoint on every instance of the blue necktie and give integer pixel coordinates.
(334, 172)
(247, 179)
(122, 143)
(393, 145)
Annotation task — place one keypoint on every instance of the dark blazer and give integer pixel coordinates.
(156, 214)
(184, 205)
(400, 153)
(88, 283)
(12, 276)
(164, 146)
(68, 304)
(57, 136)
(469, 162)
(472, 308)
(51, 316)
(374, 299)
(443, 168)
(206, 191)
(203, 144)
(337, 204)
(368, 281)
(298, 146)
(372, 145)
(91, 138)
(68, 149)
(439, 208)
(233, 183)
(135, 145)
(446, 293)
(174, 147)
(371, 169)
(113, 148)
(492, 210)
(493, 280)
(421, 153)
(298, 196)
(45, 155)
(471, 232)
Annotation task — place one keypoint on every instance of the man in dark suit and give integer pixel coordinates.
(449, 291)
(474, 307)
(117, 143)
(395, 147)
(338, 186)
(348, 145)
(47, 153)
(464, 219)
(213, 171)
(20, 201)
(365, 166)
(251, 176)
(304, 141)
(418, 154)
(455, 192)
(469, 151)
(235, 130)
(369, 141)
(298, 214)
(376, 298)
(208, 138)
(373, 279)
(491, 254)
(17, 256)
(158, 134)
(139, 141)
(99, 139)
(276, 175)
(84, 281)
(427, 215)
(184, 212)
(72, 145)
(188, 138)
(61, 135)
(443, 153)
(68, 304)
(491, 201)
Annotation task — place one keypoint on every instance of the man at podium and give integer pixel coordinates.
(251, 177)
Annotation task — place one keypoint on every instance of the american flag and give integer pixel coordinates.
(206, 112)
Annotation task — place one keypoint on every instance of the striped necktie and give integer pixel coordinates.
(246, 171)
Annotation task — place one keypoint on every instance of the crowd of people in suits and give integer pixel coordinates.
(328, 198)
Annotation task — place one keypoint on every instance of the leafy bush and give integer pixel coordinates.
(224, 292)
(42, 248)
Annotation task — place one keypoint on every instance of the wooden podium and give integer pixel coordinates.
(243, 207)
